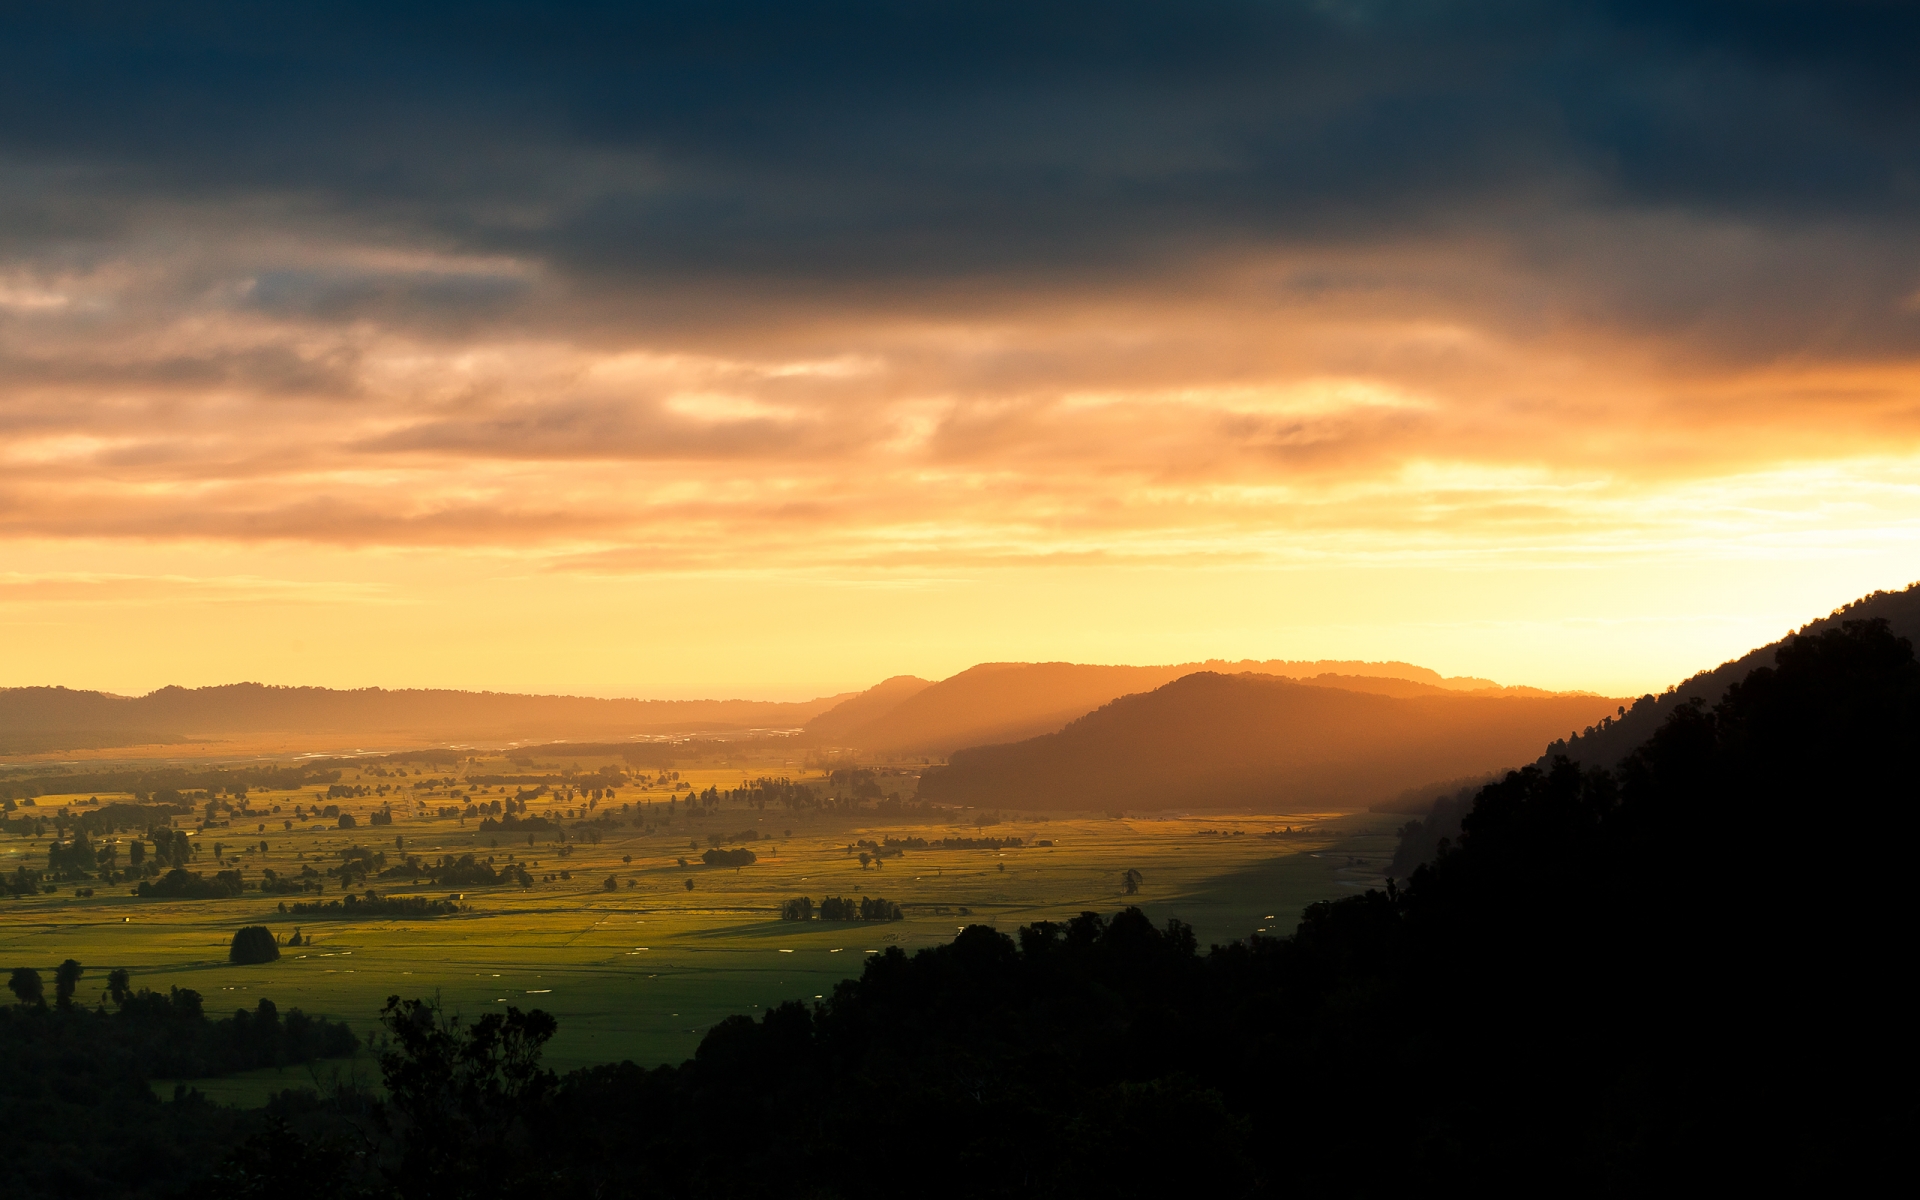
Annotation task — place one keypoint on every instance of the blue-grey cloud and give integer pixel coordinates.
(835, 144)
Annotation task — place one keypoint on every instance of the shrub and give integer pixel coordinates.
(254, 944)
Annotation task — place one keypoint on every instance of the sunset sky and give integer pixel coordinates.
(772, 349)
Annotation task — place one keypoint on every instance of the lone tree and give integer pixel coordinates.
(254, 944)
(689, 885)
(1130, 881)
(66, 978)
(27, 987)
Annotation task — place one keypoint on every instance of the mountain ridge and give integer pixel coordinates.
(1249, 740)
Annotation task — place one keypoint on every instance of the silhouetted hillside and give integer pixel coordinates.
(870, 705)
(1254, 740)
(50, 718)
(1607, 743)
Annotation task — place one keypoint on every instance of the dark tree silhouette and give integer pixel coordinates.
(253, 944)
(458, 1095)
(27, 986)
(66, 979)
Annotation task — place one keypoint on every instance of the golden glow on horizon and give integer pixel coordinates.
(805, 504)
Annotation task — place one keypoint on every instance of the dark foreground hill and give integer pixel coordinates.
(1614, 984)
(1607, 743)
(36, 719)
(1213, 740)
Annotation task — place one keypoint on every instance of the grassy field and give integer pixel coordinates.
(641, 972)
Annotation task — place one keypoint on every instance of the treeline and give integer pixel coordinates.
(372, 904)
(165, 785)
(840, 908)
(164, 1034)
(182, 884)
(945, 843)
(77, 1114)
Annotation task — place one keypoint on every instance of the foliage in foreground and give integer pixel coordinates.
(77, 1116)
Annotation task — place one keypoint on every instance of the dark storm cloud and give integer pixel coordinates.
(865, 141)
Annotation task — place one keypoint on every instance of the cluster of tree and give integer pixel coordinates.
(469, 871)
(166, 787)
(846, 908)
(738, 857)
(798, 909)
(372, 904)
(77, 1114)
(169, 1034)
(1423, 840)
(978, 843)
(273, 883)
(358, 862)
(512, 824)
(79, 859)
(24, 882)
(182, 884)
(118, 816)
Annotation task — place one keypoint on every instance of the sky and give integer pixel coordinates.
(773, 349)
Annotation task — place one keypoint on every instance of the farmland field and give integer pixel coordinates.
(642, 970)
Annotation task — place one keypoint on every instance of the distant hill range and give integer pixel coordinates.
(1607, 742)
(1256, 740)
(1005, 702)
(43, 719)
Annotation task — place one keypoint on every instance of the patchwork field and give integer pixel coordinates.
(643, 970)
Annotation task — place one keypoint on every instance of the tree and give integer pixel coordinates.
(27, 987)
(66, 978)
(689, 885)
(119, 985)
(1130, 881)
(457, 1094)
(253, 944)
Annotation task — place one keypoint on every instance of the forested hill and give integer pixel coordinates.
(54, 718)
(1005, 702)
(868, 706)
(997, 702)
(1606, 743)
(1209, 740)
